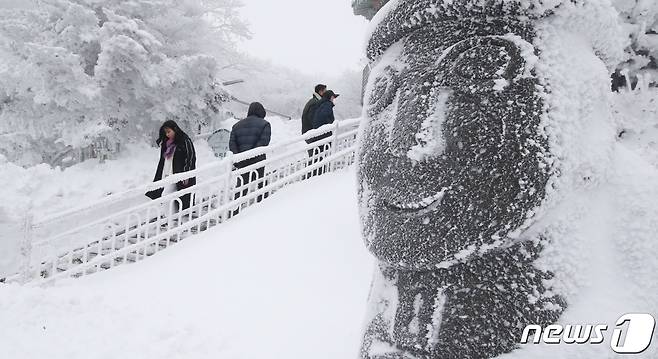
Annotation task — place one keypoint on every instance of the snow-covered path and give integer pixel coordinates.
(286, 280)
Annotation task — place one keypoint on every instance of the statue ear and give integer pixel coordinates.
(483, 64)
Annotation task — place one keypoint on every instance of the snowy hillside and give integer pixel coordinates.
(286, 280)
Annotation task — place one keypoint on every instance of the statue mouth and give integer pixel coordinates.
(425, 205)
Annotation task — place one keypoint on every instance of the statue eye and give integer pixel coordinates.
(483, 62)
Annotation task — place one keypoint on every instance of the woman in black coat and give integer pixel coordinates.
(177, 155)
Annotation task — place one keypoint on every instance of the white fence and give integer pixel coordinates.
(125, 228)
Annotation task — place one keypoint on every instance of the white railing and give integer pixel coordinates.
(128, 227)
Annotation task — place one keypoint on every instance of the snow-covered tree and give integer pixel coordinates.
(73, 70)
(287, 90)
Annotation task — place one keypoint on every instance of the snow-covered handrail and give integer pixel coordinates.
(113, 231)
(351, 123)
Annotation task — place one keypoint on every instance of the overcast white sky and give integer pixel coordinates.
(313, 36)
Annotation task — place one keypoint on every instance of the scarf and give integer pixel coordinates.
(170, 148)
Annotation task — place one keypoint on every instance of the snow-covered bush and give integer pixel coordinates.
(76, 70)
(640, 18)
(635, 105)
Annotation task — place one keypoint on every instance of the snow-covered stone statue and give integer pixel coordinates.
(481, 117)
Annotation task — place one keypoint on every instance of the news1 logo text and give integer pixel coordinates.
(632, 334)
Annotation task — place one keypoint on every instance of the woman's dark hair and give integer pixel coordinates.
(257, 109)
(180, 134)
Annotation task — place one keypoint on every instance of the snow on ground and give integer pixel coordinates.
(287, 279)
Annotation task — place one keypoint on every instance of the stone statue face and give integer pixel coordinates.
(452, 160)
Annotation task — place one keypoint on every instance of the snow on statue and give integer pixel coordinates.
(488, 131)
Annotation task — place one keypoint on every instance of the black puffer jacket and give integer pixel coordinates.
(250, 133)
(324, 115)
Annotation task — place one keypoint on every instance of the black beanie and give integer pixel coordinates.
(329, 94)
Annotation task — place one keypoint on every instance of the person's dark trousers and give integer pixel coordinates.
(186, 201)
(318, 152)
(311, 152)
(247, 178)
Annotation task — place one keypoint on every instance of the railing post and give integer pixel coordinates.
(334, 146)
(228, 195)
(26, 246)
